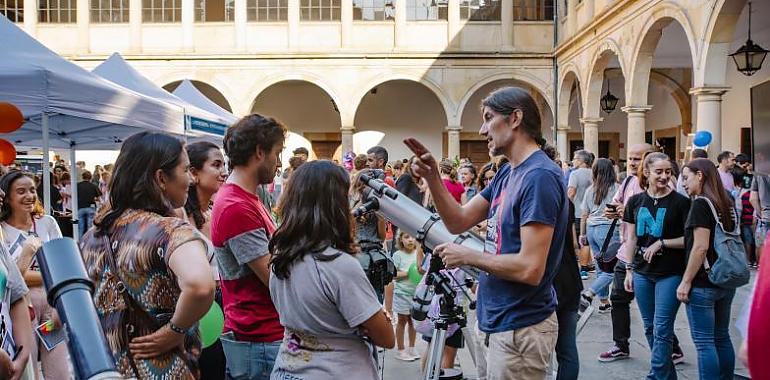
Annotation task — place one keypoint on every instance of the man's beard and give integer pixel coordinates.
(264, 175)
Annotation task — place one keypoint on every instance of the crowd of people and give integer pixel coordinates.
(309, 291)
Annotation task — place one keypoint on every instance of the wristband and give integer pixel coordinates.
(176, 328)
(662, 244)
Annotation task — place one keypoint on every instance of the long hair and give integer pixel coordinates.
(312, 223)
(133, 184)
(649, 159)
(198, 152)
(489, 166)
(6, 183)
(446, 168)
(603, 179)
(506, 100)
(410, 171)
(713, 189)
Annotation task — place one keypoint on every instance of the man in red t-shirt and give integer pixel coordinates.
(241, 227)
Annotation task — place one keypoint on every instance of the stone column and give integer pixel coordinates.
(188, 21)
(83, 20)
(30, 17)
(591, 134)
(347, 139)
(134, 25)
(293, 23)
(400, 23)
(710, 114)
(453, 141)
(636, 124)
(240, 18)
(346, 28)
(562, 141)
(506, 24)
(453, 24)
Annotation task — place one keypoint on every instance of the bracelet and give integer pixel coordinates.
(176, 328)
(662, 244)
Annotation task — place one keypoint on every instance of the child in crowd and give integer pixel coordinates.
(404, 258)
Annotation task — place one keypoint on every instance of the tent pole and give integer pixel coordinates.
(46, 170)
(74, 190)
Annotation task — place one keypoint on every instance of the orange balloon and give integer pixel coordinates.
(11, 118)
(7, 152)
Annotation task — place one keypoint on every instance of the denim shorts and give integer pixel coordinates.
(747, 235)
(248, 360)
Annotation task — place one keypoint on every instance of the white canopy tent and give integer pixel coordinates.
(189, 93)
(67, 107)
(198, 122)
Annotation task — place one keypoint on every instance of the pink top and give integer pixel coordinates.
(455, 188)
(727, 180)
(628, 189)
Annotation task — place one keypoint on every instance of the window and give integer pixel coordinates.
(373, 10)
(267, 10)
(214, 10)
(319, 10)
(162, 10)
(480, 10)
(13, 9)
(57, 11)
(533, 10)
(109, 11)
(427, 10)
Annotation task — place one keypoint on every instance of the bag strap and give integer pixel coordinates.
(608, 238)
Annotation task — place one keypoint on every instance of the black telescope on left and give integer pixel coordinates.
(69, 290)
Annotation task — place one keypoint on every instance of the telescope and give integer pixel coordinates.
(69, 290)
(426, 227)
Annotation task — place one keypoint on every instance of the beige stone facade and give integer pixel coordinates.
(666, 60)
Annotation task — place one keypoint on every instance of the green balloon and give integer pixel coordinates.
(413, 274)
(211, 325)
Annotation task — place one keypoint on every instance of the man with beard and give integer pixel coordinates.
(240, 231)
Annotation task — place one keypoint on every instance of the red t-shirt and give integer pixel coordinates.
(240, 231)
(456, 189)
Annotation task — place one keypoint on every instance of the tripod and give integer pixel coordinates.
(449, 313)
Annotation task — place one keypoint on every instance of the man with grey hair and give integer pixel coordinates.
(579, 181)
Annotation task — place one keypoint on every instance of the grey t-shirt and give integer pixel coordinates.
(580, 179)
(761, 185)
(596, 212)
(321, 305)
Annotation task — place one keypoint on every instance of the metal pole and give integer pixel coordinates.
(46, 170)
(74, 190)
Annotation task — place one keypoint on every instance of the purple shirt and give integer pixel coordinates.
(727, 180)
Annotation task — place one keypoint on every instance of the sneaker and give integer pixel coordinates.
(404, 355)
(677, 356)
(411, 352)
(583, 275)
(605, 308)
(591, 269)
(585, 301)
(613, 354)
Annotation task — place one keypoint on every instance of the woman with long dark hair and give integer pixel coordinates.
(328, 307)
(25, 226)
(208, 173)
(594, 227)
(468, 178)
(708, 306)
(153, 281)
(655, 240)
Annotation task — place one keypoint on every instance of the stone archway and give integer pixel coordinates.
(206, 89)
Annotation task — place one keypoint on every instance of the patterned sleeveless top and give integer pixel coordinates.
(144, 242)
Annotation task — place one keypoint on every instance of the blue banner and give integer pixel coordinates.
(206, 126)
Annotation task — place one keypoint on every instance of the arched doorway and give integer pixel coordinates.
(206, 89)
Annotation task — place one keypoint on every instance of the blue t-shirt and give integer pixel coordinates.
(532, 192)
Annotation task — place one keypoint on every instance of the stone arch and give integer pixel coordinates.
(211, 92)
(637, 85)
(375, 81)
(599, 63)
(315, 80)
(718, 33)
(383, 111)
(216, 83)
(471, 117)
(568, 81)
(528, 81)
